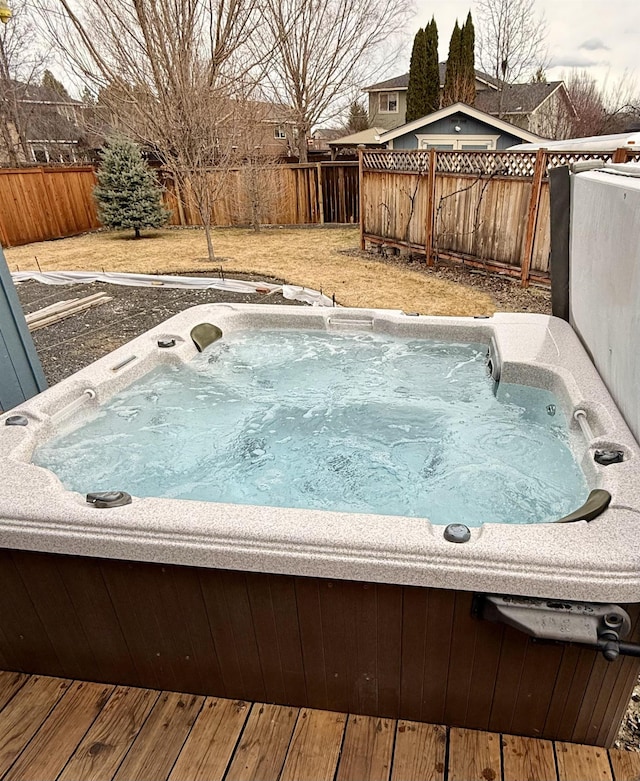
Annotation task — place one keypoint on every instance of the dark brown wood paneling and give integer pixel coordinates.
(379, 650)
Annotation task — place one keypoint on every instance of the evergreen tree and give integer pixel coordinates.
(417, 87)
(128, 194)
(452, 77)
(467, 92)
(433, 67)
(50, 81)
(358, 118)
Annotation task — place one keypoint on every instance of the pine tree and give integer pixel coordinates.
(358, 118)
(127, 193)
(452, 77)
(50, 81)
(417, 87)
(467, 92)
(433, 68)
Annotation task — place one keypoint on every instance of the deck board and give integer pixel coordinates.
(156, 748)
(211, 742)
(315, 746)
(575, 763)
(625, 765)
(367, 750)
(54, 728)
(474, 756)
(22, 717)
(48, 752)
(111, 735)
(527, 758)
(263, 747)
(419, 752)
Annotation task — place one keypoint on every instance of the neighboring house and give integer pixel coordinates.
(369, 139)
(457, 127)
(543, 108)
(540, 108)
(272, 129)
(322, 137)
(388, 99)
(40, 125)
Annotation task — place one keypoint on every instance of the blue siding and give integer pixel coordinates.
(21, 375)
(446, 127)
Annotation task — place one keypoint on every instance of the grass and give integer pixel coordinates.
(312, 257)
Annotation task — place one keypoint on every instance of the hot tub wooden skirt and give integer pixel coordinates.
(374, 649)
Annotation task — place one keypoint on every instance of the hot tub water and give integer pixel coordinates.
(349, 421)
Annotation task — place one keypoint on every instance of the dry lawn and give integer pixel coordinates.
(310, 257)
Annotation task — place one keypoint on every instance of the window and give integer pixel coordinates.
(388, 102)
(456, 142)
(278, 132)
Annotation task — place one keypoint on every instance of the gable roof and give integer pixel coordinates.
(402, 82)
(517, 98)
(372, 135)
(460, 108)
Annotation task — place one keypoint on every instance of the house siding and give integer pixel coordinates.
(445, 127)
(387, 121)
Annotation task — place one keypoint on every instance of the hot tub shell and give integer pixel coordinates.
(366, 613)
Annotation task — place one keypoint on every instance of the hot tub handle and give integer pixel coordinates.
(592, 625)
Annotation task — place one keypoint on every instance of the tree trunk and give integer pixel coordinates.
(207, 233)
(137, 230)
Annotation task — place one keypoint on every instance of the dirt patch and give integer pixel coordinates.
(68, 346)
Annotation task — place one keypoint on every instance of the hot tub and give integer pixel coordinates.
(372, 613)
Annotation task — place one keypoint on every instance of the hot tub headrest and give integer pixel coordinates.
(205, 334)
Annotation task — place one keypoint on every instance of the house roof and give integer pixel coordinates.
(460, 108)
(516, 98)
(402, 82)
(371, 135)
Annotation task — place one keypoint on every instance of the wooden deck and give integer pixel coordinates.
(53, 728)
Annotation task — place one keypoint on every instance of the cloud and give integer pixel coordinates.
(594, 45)
(573, 61)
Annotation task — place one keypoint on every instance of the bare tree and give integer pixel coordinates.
(602, 110)
(173, 73)
(21, 60)
(323, 51)
(512, 40)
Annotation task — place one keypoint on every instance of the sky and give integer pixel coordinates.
(600, 36)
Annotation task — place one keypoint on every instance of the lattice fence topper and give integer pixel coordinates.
(499, 163)
(412, 161)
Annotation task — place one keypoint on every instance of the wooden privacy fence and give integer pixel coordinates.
(45, 203)
(487, 209)
(37, 204)
(315, 193)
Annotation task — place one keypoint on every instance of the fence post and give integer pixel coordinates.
(620, 156)
(532, 218)
(431, 197)
(320, 195)
(361, 198)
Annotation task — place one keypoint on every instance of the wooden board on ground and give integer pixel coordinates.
(48, 752)
(579, 763)
(210, 745)
(420, 752)
(367, 750)
(28, 709)
(473, 756)
(265, 740)
(315, 746)
(110, 737)
(527, 758)
(161, 738)
(625, 765)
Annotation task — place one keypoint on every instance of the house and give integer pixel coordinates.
(388, 99)
(369, 138)
(40, 125)
(543, 108)
(456, 127)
